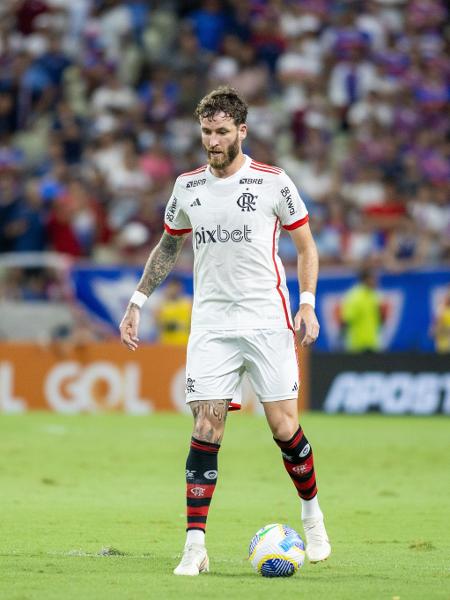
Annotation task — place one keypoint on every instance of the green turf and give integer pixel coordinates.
(71, 487)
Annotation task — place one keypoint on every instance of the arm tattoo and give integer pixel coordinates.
(160, 262)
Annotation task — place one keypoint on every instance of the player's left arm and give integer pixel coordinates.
(308, 271)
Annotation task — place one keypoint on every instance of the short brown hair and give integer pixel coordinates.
(223, 99)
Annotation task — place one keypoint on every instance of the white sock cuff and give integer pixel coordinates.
(311, 508)
(195, 536)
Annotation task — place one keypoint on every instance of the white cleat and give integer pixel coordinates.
(194, 561)
(318, 546)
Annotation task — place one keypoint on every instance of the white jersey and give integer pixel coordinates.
(239, 280)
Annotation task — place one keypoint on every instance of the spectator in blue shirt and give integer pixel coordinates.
(29, 220)
(210, 24)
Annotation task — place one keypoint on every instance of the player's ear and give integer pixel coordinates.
(242, 131)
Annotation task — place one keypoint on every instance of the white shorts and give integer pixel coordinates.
(216, 361)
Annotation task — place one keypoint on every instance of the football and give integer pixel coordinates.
(276, 551)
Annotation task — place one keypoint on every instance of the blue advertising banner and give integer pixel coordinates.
(410, 301)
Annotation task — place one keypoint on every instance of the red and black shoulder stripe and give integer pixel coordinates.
(262, 167)
(194, 172)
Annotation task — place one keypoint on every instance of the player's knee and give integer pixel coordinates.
(284, 428)
(209, 419)
(209, 430)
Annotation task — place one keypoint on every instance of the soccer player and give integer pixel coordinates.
(235, 207)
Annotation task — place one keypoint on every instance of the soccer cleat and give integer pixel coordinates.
(317, 543)
(194, 561)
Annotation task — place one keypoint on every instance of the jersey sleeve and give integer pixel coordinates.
(176, 221)
(290, 208)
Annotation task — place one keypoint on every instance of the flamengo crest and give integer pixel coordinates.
(246, 202)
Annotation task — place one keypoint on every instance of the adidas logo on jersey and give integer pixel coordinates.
(196, 202)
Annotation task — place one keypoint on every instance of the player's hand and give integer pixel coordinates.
(306, 325)
(129, 327)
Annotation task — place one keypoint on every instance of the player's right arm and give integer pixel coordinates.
(159, 264)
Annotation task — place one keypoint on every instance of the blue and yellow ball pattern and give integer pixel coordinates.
(276, 551)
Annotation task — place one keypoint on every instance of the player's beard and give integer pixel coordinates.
(224, 160)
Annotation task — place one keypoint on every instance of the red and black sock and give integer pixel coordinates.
(299, 462)
(201, 478)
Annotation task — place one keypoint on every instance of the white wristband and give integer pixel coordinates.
(308, 298)
(138, 298)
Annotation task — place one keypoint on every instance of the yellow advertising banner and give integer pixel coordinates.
(98, 377)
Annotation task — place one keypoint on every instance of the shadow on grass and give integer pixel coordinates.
(306, 577)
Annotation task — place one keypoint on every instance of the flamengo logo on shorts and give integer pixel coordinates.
(208, 236)
(190, 385)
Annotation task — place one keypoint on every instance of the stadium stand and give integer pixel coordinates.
(96, 103)
(96, 100)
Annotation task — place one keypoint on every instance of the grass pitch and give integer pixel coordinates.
(92, 507)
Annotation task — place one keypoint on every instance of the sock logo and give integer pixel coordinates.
(305, 451)
(198, 491)
(210, 474)
(301, 469)
(190, 474)
(286, 456)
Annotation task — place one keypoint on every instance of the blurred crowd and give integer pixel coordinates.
(349, 97)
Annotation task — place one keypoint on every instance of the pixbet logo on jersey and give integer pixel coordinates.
(213, 236)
